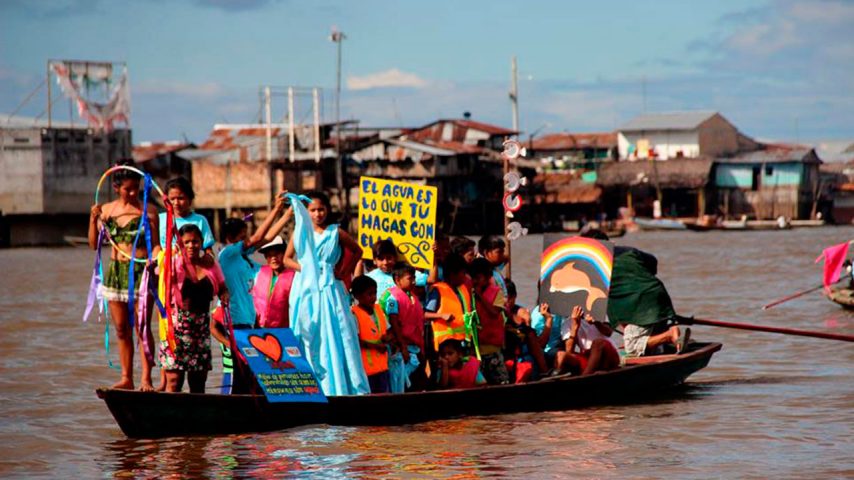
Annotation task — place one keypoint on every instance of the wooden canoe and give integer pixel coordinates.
(155, 415)
(842, 296)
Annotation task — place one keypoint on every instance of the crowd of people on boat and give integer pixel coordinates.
(365, 326)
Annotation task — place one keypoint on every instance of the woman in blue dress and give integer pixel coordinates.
(319, 304)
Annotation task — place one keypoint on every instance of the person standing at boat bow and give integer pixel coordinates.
(319, 305)
(122, 220)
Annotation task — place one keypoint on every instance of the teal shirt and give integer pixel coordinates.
(194, 218)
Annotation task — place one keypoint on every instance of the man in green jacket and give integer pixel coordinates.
(638, 301)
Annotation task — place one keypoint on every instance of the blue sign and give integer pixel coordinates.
(277, 361)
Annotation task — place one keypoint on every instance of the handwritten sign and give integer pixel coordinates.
(275, 358)
(404, 212)
(576, 271)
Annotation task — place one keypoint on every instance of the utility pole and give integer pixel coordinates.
(315, 104)
(514, 96)
(291, 127)
(269, 117)
(514, 102)
(338, 37)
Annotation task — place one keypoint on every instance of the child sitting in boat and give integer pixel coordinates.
(489, 303)
(374, 337)
(406, 317)
(187, 349)
(589, 348)
(456, 371)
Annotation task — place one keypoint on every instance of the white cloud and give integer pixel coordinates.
(386, 79)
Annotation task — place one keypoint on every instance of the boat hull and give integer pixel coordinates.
(153, 414)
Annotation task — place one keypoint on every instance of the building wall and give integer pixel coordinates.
(250, 185)
(717, 137)
(666, 143)
(772, 175)
(763, 204)
(782, 190)
(21, 188)
(56, 170)
(74, 160)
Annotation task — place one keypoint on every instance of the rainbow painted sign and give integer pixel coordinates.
(576, 271)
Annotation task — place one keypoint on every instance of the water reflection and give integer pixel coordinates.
(767, 406)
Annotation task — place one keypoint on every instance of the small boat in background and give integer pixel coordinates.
(76, 241)
(842, 296)
(659, 224)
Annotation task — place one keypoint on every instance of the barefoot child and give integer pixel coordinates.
(454, 370)
(490, 304)
(122, 219)
(374, 337)
(194, 287)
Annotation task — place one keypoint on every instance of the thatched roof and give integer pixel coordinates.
(673, 173)
(554, 187)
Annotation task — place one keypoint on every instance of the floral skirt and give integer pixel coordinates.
(192, 343)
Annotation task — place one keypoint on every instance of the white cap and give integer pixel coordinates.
(275, 243)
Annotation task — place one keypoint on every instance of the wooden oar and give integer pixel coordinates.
(792, 297)
(765, 328)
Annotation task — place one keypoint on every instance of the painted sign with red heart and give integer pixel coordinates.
(269, 346)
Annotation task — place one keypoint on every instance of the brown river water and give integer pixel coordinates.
(767, 406)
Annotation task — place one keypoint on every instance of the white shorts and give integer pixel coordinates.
(635, 338)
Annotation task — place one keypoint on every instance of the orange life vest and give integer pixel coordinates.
(371, 330)
(456, 302)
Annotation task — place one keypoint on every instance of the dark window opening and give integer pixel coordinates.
(754, 184)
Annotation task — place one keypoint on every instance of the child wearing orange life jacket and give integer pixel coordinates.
(454, 370)
(451, 300)
(374, 336)
(490, 304)
(272, 288)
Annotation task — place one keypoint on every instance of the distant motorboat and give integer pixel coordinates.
(659, 224)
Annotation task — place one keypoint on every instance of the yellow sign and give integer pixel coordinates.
(404, 212)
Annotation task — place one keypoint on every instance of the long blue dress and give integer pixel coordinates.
(320, 309)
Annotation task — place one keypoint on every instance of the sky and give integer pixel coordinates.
(777, 69)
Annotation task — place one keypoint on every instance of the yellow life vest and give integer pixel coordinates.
(456, 302)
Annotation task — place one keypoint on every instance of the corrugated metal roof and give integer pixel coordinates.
(667, 121)
(775, 153)
(146, 151)
(421, 147)
(574, 141)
